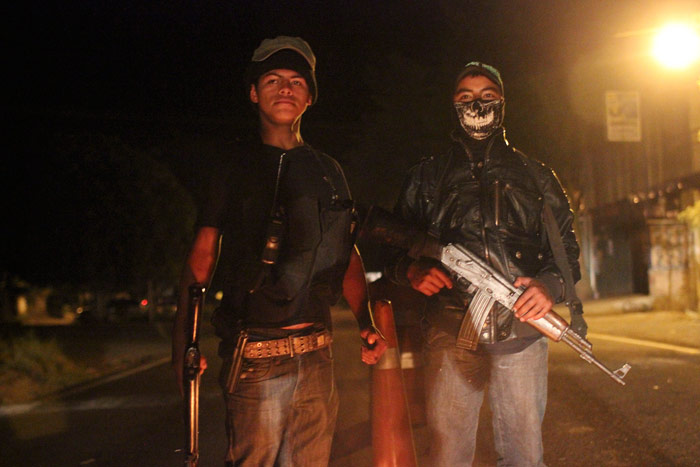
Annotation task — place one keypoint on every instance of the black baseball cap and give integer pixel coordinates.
(292, 53)
(480, 68)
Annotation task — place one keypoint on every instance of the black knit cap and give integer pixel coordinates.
(284, 52)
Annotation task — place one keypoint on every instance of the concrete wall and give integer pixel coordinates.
(673, 281)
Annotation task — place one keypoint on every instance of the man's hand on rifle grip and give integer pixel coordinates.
(427, 277)
(179, 368)
(373, 346)
(535, 301)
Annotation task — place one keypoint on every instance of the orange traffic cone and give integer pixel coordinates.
(392, 438)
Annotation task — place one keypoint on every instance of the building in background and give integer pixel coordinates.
(636, 180)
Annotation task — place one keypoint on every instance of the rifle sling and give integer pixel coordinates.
(557, 246)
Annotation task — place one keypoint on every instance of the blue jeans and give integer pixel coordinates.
(283, 411)
(455, 384)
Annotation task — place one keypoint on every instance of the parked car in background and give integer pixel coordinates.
(127, 309)
(166, 306)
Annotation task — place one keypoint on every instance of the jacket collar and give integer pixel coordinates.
(471, 147)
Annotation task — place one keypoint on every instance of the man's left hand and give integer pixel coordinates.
(373, 347)
(535, 301)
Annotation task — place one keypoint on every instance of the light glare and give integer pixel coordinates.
(677, 46)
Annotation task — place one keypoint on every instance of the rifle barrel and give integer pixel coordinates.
(191, 374)
(585, 354)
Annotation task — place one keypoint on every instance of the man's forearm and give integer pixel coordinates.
(355, 290)
(180, 323)
(396, 270)
(357, 299)
(198, 269)
(554, 284)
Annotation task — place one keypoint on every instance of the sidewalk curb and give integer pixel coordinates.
(108, 378)
(613, 305)
(102, 379)
(25, 407)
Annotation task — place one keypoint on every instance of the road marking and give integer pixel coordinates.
(100, 403)
(133, 401)
(50, 405)
(17, 409)
(657, 345)
(115, 377)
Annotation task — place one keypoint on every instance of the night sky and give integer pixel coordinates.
(182, 58)
(167, 75)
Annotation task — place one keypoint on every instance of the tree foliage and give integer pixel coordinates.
(691, 215)
(99, 213)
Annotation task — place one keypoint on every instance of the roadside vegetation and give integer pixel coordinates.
(31, 367)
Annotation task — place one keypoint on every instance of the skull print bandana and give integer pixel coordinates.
(480, 118)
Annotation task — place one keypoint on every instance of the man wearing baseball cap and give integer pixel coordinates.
(488, 197)
(281, 214)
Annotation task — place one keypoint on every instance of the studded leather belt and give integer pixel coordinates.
(292, 345)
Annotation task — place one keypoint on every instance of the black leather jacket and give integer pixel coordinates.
(494, 208)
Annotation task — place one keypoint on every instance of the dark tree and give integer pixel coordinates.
(98, 214)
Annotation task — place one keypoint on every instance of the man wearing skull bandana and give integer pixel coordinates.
(489, 197)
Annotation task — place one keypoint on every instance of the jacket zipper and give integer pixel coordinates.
(497, 204)
(487, 153)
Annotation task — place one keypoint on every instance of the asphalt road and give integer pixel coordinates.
(653, 420)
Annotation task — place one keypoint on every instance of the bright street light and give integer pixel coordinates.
(677, 46)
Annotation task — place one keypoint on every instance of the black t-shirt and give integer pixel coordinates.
(314, 202)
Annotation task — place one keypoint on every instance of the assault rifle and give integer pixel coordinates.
(480, 279)
(489, 286)
(191, 374)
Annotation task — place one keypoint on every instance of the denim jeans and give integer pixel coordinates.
(283, 411)
(455, 383)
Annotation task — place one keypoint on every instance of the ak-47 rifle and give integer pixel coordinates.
(191, 374)
(489, 286)
(485, 283)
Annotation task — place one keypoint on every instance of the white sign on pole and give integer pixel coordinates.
(623, 116)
